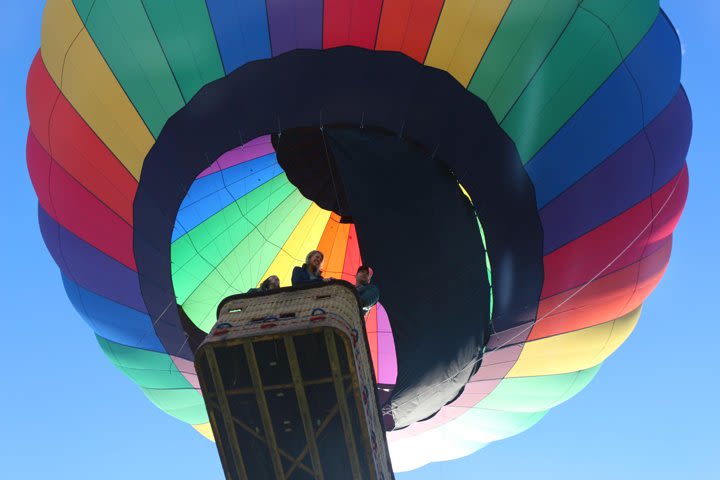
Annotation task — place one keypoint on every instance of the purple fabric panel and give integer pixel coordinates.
(622, 180)
(670, 138)
(253, 149)
(89, 267)
(619, 182)
(295, 24)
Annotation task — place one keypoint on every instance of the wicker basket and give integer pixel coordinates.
(289, 312)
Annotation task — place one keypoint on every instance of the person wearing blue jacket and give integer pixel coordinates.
(310, 271)
(369, 294)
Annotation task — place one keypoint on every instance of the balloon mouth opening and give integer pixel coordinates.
(411, 219)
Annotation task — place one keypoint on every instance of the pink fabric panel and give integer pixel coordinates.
(497, 363)
(386, 349)
(187, 368)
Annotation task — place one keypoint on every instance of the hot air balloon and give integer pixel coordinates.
(512, 170)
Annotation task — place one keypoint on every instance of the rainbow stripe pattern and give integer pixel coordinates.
(589, 92)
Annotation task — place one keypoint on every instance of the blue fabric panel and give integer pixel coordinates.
(204, 186)
(637, 170)
(210, 194)
(111, 320)
(241, 31)
(631, 97)
(655, 66)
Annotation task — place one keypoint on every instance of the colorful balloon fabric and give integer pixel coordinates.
(512, 170)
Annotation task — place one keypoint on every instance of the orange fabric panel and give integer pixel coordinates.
(333, 244)
(407, 26)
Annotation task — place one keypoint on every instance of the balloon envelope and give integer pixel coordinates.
(512, 170)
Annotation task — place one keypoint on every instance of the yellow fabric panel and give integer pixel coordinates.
(622, 329)
(60, 26)
(205, 430)
(304, 238)
(462, 35)
(88, 83)
(576, 350)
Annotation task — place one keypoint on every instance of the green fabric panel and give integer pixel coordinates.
(536, 394)
(159, 379)
(188, 40)
(623, 17)
(484, 426)
(186, 404)
(583, 58)
(147, 369)
(83, 7)
(487, 263)
(526, 34)
(125, 38)
(199, 252)
(266, 197)
(243, 268)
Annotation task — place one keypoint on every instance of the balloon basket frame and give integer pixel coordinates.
(289, 386)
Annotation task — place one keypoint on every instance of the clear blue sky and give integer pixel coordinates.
(651, 412)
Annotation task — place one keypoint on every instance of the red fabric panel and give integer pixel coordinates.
(351, 22)
(668, 218)
(604, 299)
(582, 259)
(38, 162)
(407, 26)
(76, 209)
(647, 276)
(75, 146)
(41, 93)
